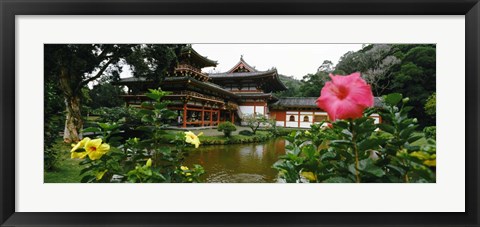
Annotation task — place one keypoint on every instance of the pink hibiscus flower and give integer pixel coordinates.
(345, 97)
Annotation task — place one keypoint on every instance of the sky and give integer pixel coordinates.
(295, 60)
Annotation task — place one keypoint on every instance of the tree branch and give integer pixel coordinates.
(98, 75)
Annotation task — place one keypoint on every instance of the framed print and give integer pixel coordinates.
(206, 98)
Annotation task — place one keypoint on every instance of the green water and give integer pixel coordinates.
(238, 163)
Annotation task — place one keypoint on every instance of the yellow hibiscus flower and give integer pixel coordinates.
(191, 138)
(184, 168)
(309, 175)
(81, 144)
(95, 149)
(100, 174)
(149, 162)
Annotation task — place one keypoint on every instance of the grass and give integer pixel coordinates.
(67, 169)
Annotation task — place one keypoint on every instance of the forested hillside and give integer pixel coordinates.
(409, 69)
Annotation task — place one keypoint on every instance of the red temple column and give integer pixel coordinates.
(203, 114)
(299, 119)
(184, 115)
(211, 116)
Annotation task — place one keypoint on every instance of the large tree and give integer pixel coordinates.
(74, 66)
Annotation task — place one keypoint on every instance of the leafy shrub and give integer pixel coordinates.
(246, 133)
(430, 132)
(53, 123)
(114, 114)
(354, 150)
(108, 158)
(227, 128)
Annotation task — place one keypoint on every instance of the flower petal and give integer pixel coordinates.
(80, 144)
(104, 148)
(79, 155)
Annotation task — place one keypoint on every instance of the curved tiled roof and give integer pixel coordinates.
(188, 50)
(273, 84)
(242, 74)
(240, 63)
(308, 102)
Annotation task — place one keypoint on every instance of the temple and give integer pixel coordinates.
(205, 100)
(202, 99)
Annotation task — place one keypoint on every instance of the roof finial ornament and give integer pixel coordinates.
(241, 57)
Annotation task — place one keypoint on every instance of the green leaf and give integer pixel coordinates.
(327, 155)
(87, 179)
(393, 99)
(108, 127)
(387, 128)
(146, 105)
(91, 129)
(340, 142)
(370, 143)
(340, 124)
(368, 165)
(337, 180)
(406, 133)
(160, 106)
(153, 96)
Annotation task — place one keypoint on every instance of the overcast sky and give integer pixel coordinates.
(290, 59)
(295, 60)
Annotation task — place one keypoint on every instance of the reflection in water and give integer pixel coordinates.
(238, 163)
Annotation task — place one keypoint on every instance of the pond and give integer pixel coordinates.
(238, 163)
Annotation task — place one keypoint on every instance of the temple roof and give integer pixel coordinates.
(307, 102)
(200, 84)
(297, 102)
(227, 75)
(270, 96)
(242, 66)
(270, 80)
(203, 61)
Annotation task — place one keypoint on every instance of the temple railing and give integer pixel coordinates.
(198, 95)
(189, 70)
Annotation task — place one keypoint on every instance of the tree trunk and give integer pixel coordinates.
(74, 122)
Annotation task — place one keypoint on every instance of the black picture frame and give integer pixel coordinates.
(9, 9)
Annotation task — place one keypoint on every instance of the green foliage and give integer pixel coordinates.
(254, 121)
(74, 66)
(409, 69)
(53, 123)
(116, 114)
(141, 160)
(227, 128)
(312, 84)
(355, 151)
(246, 133)
(66, 170)
(293, 87)
(430, 132)
(431, 105)
(106, 95)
